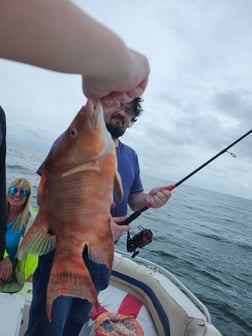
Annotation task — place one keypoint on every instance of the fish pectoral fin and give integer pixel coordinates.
(92, 165)
(72, 281)
(43, 243)
(118, 186)
(37, 240)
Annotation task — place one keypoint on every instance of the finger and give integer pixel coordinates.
(4, 275)
(109, 102)
(158, 200)
(118, 220)
(164, 195)
(115, 98)
(124, 228)
(138, 91)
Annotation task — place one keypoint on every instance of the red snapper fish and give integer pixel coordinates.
(75, 197)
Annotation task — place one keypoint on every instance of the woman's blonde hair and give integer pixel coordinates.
(24, 215)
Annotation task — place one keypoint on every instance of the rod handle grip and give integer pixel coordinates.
(133, 216)
(170, 187)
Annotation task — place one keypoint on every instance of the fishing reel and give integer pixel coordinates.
(139, 240)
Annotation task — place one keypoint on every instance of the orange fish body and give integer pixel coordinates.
(75, 197)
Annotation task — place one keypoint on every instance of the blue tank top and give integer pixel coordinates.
(12, 240)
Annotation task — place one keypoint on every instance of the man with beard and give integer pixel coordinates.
(117, 122)
(68, 313)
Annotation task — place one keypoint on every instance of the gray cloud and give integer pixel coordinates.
(197, 102)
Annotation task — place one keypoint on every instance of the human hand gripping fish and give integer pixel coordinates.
(75, 196)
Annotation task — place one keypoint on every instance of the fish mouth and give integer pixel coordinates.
(99, 119)
(96, 117)
(94, 110)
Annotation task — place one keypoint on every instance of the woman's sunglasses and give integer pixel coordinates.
(22, 192)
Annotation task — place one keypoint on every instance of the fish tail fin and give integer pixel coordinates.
(69, 278)
(37, 240)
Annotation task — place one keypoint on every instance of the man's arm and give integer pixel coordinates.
(57, 35)
(137, 201)
(156, 198)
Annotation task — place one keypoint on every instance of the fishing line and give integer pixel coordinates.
(137, 213)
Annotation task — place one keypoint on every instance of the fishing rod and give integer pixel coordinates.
(137, 213)
(144, 237)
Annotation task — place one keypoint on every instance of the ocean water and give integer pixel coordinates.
(203, 237)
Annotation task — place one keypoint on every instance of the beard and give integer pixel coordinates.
(116, 131)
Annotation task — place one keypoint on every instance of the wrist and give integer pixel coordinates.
(147, 202)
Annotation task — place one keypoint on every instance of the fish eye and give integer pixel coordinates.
(73, 132)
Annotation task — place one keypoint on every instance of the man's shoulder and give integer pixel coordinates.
(127, 148)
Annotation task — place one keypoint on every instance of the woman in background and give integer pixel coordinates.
(14, 272)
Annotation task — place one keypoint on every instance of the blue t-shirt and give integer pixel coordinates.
(128, 167)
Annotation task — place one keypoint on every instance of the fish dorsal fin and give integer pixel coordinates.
(92, 165)
(118, 186)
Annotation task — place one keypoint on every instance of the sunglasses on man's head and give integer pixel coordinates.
(22, 192)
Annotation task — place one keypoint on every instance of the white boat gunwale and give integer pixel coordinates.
(149, 294)
(159, 269)
(174, 309)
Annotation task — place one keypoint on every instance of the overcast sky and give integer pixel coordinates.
(198, 101)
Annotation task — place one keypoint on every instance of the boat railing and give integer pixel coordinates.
(159, 269)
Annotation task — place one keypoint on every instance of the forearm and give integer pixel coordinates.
(57, 35)
(137, 201)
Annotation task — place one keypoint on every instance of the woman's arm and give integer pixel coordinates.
(5, 269)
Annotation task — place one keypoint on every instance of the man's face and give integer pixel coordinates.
(118, 120)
